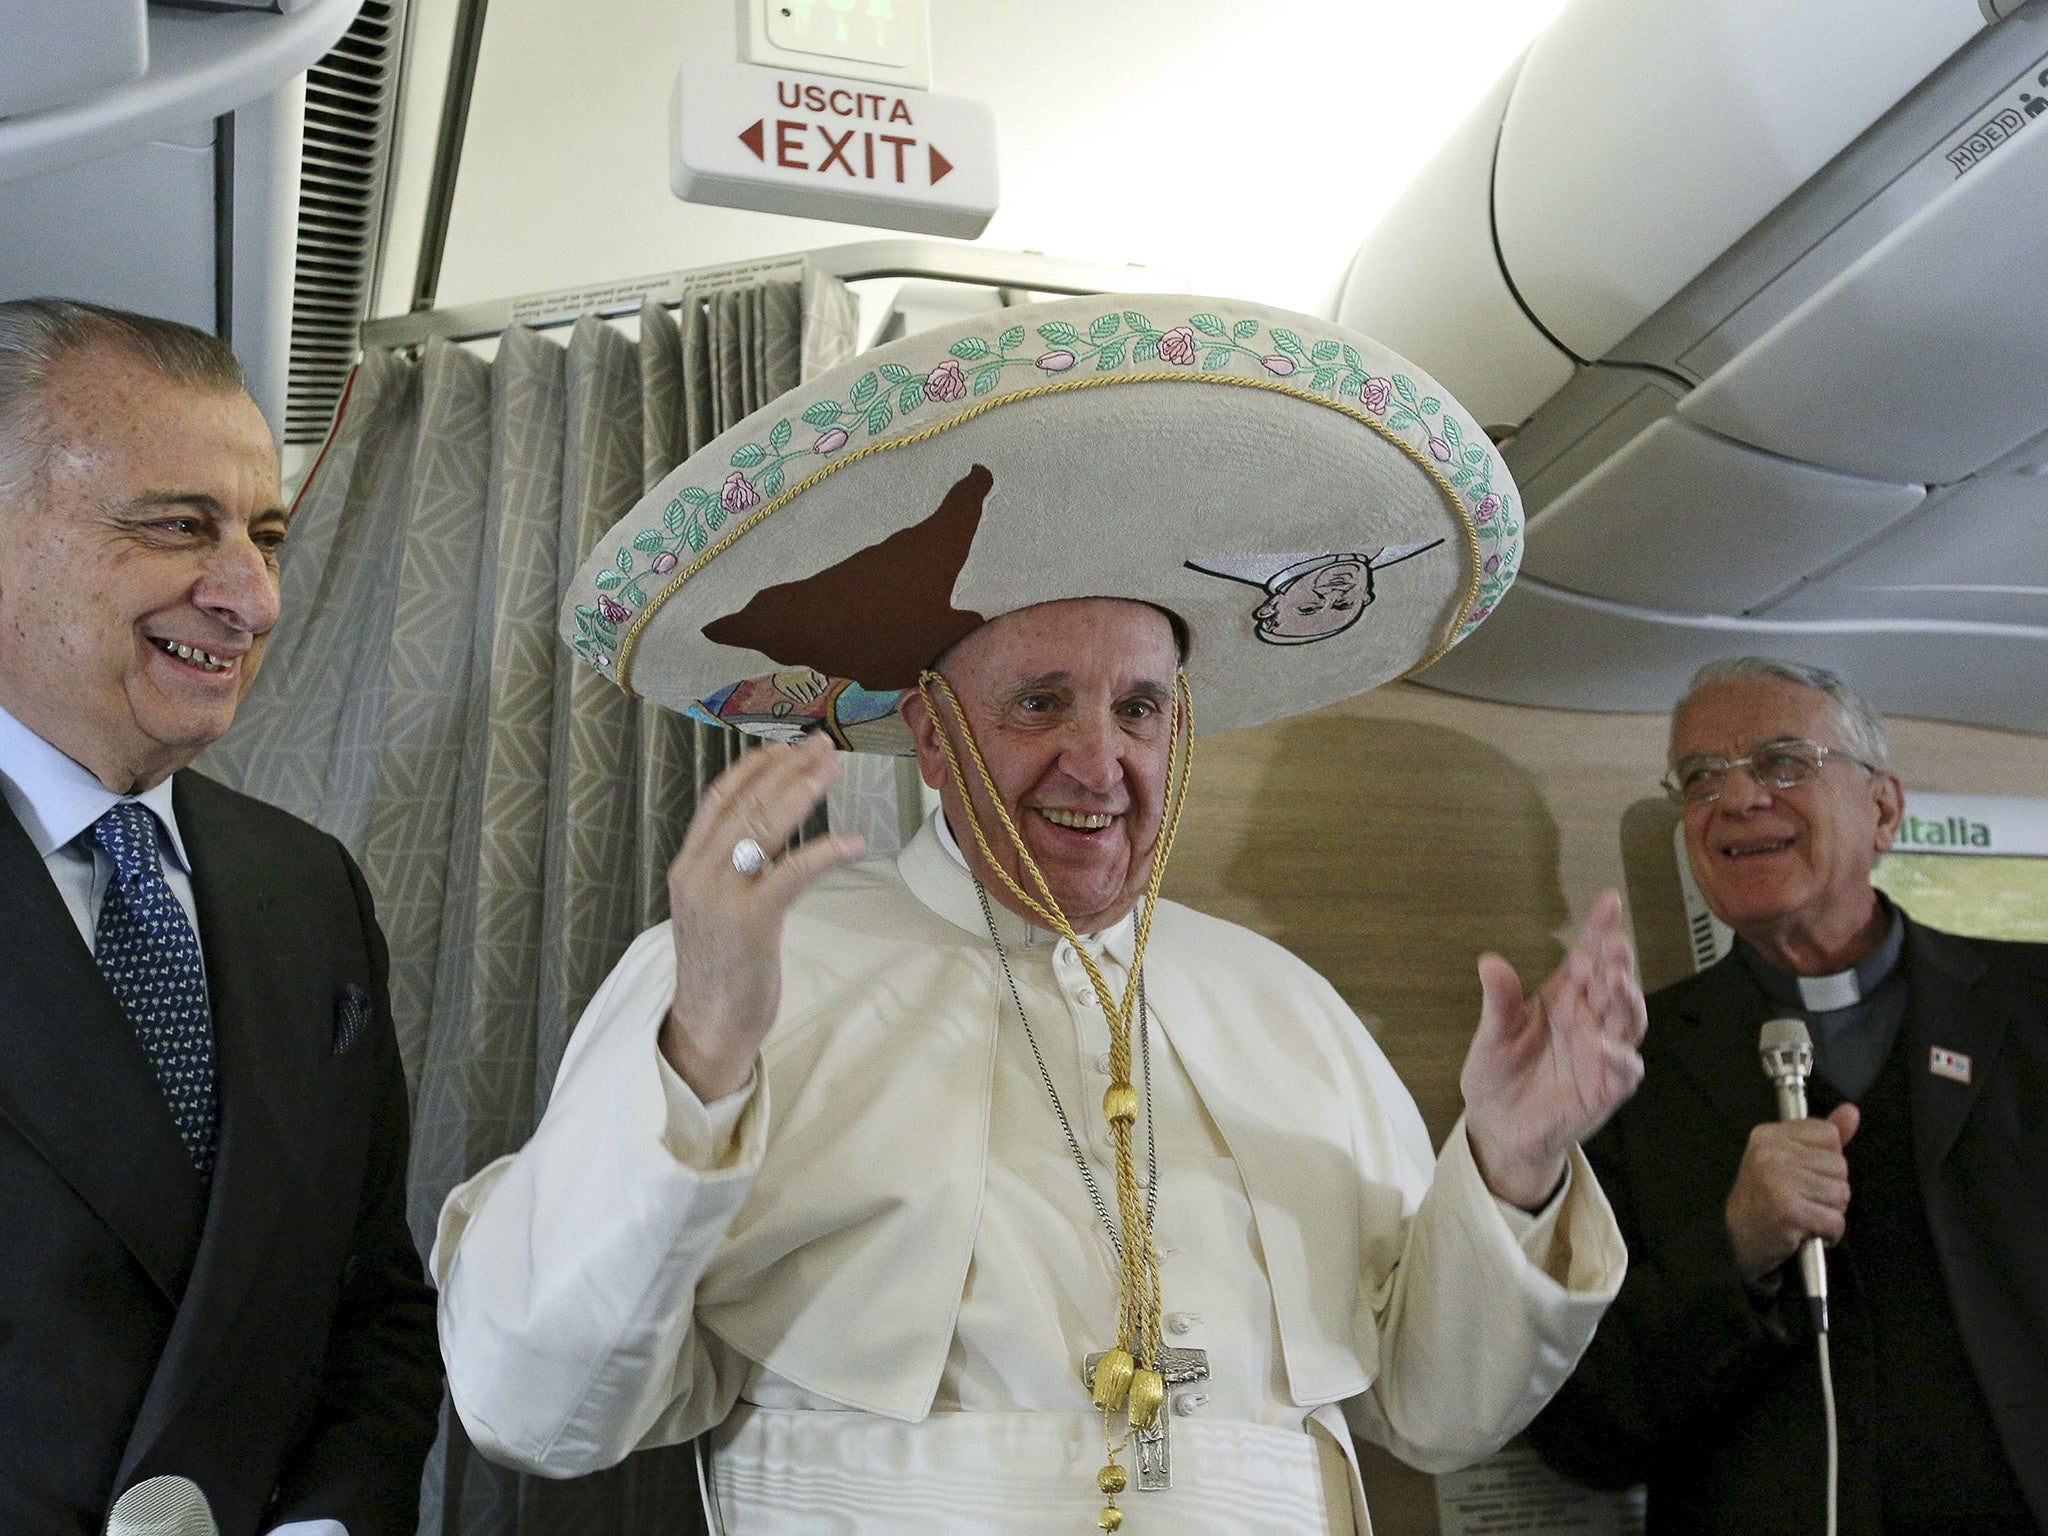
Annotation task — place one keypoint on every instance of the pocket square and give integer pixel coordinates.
(351, 1017)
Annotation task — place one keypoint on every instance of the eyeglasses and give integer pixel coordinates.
(1782, 764)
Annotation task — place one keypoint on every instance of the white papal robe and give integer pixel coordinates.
(875, 1270)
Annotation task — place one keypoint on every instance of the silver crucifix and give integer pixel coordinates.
(1177, 1368)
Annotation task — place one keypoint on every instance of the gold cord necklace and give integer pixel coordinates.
(1127, 1377)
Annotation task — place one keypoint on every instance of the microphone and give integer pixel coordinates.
(1786, 1050)
(162, 1506)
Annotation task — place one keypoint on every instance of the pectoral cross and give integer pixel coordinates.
(1178, 1368)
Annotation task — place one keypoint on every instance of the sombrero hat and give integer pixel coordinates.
(1318, 513)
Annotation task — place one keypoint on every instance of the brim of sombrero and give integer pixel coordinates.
(1319, 513)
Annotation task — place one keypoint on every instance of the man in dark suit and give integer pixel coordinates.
(205, 1269)
(1925, 1168)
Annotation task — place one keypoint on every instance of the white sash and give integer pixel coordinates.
(801, 1472)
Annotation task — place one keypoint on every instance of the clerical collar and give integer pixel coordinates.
(1843, 989)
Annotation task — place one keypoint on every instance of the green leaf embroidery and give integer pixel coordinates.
(1324, 352)
(1404, 388)
(864, 389)
(771, 481)
(1351, 360)
(1289, 343)
(1354, 381)
(969, 349)
(747, 455)
(1431, 405)
(878, 417)
(714, 515)
(1146, 349)
(1058, 333)
(1244, 330)
(1323, 379)
(910, 396)
(1462, 477)
(1214, 358)
(1401, 417)
(985, 378)
(698, 497)
(695, 536)
(825, 413)
(672, 515)
(1136, 321)
(1102, 327)
(625, 562)
(1013, 337)
(1452, 433)
(608, 580)
(896, 373)
(778, 435)
(1109, 357)
(1206, 323)
(1475, 455)
(649, 541)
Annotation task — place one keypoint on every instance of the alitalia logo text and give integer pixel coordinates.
(1948, 832)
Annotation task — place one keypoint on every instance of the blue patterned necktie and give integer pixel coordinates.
(150, 958)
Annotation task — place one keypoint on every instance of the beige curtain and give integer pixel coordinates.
(513, 812)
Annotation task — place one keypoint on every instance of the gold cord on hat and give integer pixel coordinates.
(1127, 1377)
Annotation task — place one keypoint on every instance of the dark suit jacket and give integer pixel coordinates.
(273, 1342)
(1713, 1398)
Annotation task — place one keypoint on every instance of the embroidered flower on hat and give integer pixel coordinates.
(1177, 346)
(738, 494)
(945, 382)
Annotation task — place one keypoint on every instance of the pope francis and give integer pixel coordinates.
(979, 1188)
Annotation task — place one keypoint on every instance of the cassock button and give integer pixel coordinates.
(1182, 1322)
(1102, 1063)
(1188, 1404)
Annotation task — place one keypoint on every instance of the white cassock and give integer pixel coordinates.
(876, 1270)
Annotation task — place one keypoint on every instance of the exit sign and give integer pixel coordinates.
(819, 147)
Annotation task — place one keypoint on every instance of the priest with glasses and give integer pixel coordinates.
(1921, 1166)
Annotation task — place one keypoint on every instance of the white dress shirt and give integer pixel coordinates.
(57, 800)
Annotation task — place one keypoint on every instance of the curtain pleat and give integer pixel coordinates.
(591, 903)
(670, 774)
(513, 812)
(406, 789)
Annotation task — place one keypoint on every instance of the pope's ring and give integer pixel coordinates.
(748, 858)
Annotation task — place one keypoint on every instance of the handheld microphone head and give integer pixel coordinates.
(1786, 1050)
(162, 1506)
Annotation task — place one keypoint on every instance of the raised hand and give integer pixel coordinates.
(1793, 1184)
(1545, 1072)
(727, 924)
